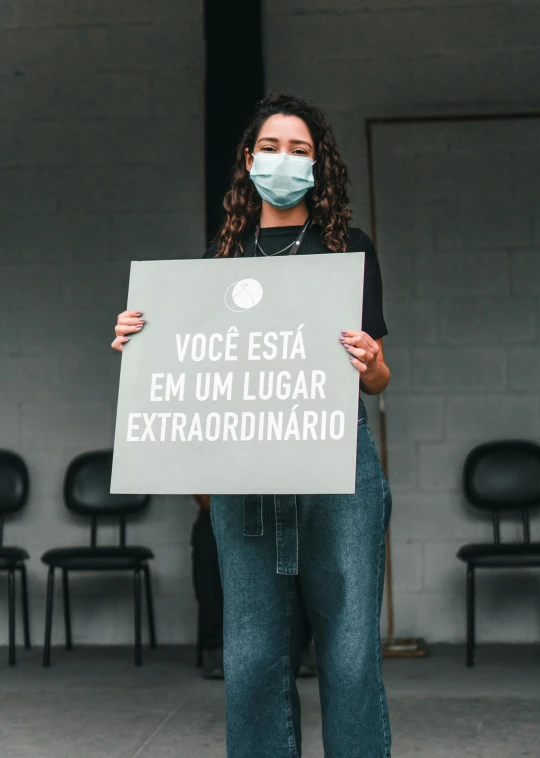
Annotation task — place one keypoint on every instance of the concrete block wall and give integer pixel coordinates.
(470, 332)
(458, 208)
(101, 135)
(101, 162)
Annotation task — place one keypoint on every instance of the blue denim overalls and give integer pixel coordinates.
(331, 548)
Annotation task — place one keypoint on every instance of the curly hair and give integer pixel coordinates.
(327, 201)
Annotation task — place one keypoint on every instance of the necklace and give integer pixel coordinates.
(294, 245)
(269, 255)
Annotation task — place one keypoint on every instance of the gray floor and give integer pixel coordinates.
(93, 703)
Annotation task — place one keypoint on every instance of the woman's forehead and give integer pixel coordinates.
(285, 128)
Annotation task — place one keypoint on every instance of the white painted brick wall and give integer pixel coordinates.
(101, 146)
(459, 241)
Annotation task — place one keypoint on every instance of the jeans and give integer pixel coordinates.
(335, 556)
(208, 590)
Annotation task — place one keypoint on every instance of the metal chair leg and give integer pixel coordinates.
(470, 615)
(199, 649)
(67, 609)
(137, 607)
(26, 614)
(48, 618)
(11, 612)
(150, 607)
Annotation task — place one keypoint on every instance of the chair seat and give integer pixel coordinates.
(9, 556)
(97, 558)
(502, 555)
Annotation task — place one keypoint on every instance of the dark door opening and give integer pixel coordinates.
(234, 81)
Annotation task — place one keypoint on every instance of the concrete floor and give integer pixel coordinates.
(93, 703)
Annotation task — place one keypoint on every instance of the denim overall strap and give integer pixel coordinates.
(286, 534)
(253, 516)
(286, 527)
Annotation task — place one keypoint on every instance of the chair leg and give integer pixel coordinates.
(11, 612)
(48, 618)
(137, 606)
(199, 649)
(26, 614)
(470, 616)
(67, 609)
(150, 607)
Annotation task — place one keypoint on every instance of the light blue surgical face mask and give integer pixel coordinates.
(282, 179)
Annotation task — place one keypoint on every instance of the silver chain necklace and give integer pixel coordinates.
(269, 255)
(294, 245)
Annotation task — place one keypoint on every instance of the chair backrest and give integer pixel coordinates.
(87, 485)
(504, 475)
(13, 485)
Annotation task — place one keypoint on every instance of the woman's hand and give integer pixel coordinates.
(362, 351)
(128, 321)
(366, 355)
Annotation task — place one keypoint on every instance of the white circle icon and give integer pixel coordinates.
(243, 295)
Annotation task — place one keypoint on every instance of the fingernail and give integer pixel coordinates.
(127, 339)
(351, 358)
(342, 340)
(142, 320)
(345, 332)
(347, 347)
(138, 313)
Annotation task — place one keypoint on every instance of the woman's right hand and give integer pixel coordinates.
(128, 321)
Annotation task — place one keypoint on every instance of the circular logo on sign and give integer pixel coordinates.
(243, 295)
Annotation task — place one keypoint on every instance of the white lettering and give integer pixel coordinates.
(270, 339)
(252, 346)
(132, 426)
(148, 420)
(211, 347)
(154, 386)
(231, 343)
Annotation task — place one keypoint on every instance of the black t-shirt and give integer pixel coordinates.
(274, 238)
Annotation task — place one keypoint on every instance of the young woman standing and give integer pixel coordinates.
(289, 188)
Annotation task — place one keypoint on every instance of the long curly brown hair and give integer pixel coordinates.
(327, 201)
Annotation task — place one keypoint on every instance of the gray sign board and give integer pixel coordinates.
(237, 383)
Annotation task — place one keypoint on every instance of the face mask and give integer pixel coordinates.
(282, 179)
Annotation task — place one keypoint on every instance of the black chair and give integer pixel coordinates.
(500, 476)
(87, 492)
(13, 495)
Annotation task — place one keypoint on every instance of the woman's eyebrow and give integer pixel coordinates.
(292, 141)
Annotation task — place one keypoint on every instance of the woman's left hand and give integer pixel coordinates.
(363, 352)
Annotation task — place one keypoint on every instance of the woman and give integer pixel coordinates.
(289, 189)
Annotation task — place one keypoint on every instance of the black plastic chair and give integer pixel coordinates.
(87, 492)
(13, 495)
(500, 476)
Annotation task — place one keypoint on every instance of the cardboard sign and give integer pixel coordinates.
(237, 383)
